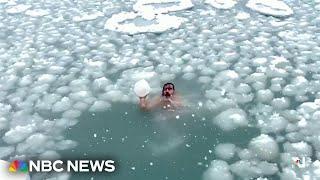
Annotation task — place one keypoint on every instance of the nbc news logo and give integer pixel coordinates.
(18, 166)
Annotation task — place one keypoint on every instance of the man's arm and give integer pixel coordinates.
(148, 105)
(176, 101)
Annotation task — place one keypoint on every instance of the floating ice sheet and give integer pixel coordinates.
(159, 24)
(88, 17)
(222, 4)
(161, 6)
(270, 7)
(37, 12)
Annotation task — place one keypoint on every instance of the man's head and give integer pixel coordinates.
(168, 90)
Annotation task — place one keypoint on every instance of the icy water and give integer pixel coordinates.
(146, 147)
(247, 70)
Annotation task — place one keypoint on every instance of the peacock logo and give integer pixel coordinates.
(18, 166)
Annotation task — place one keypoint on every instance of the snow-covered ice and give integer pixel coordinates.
(270, 7)
(222, 4)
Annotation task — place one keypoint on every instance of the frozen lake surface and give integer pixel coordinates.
(248, 72)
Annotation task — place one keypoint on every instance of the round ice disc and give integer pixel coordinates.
(142, 88)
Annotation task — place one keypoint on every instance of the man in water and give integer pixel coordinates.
(169, 99)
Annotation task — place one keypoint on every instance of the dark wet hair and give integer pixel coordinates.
(166, 84)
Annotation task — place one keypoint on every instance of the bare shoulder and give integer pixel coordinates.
(177, 96)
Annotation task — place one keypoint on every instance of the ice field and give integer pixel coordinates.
(248, 72)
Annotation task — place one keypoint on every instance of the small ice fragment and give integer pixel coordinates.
(200, 104)
(95, 135)
(177, 117)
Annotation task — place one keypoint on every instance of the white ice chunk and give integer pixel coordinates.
(37, 12)
(19, 133)
(159, 6)
(101, 83)
(49, 155)
(46, 78)
(218, 169)
(275, 124)
(280, 103)
(17, 9)
(289, 174)
(226, 76)
(245, 169)
(252, 169)
(242, 16)
(99, 106)
(62, 105)
(270, 7)
(6, 151)
(308, 108)
(245, 154)
(142, 88)
(88, 17)
(36, 143)
(71, 114)
(56, 69)
(225, 151)
(299, 149)
(231, 119)
(222, 4)
(6, 1)
(25, 80)
(65, 144)
(161, 23)
(264, 147)
(3, 123)
(264, 95)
